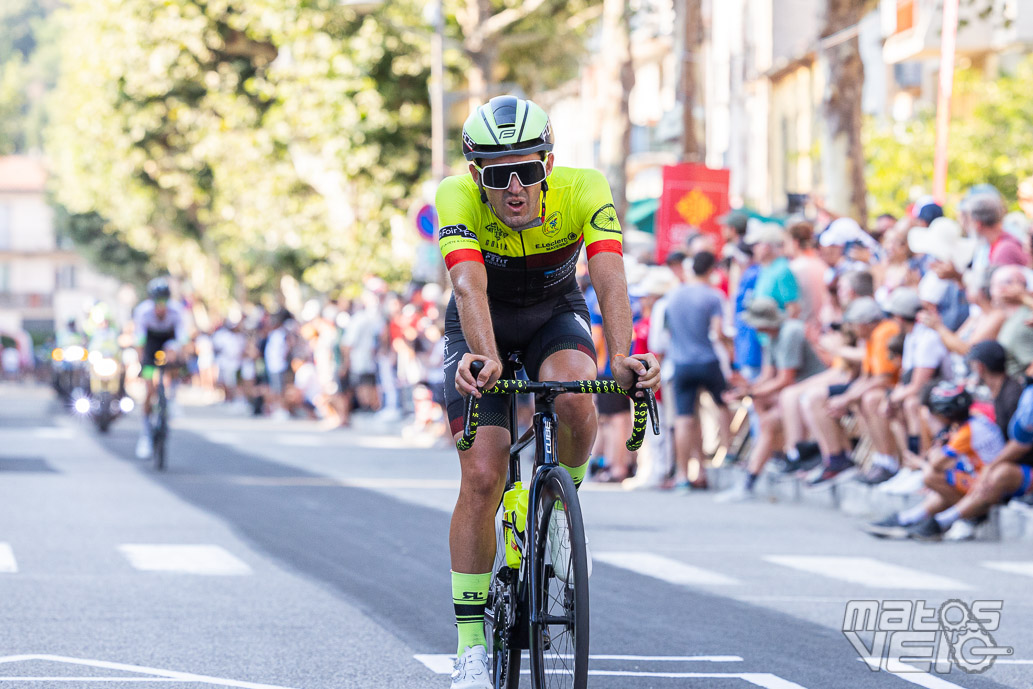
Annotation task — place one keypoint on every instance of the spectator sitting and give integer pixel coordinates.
(972, 441)
(986, 210)
(924, 361)
(788, 358)
(879, 373)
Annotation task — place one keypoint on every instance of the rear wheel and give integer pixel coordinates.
(559, 587)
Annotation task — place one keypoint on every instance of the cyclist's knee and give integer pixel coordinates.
(484, 479)
(577, 411)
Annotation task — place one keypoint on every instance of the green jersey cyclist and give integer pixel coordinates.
(511, 234)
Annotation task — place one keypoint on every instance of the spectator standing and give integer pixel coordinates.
(693, 318)
(277, 362)
(809, 271)
(775, 279)
(229, 343)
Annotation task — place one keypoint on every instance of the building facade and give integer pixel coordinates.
(44, 283)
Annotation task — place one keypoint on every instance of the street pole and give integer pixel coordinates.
(437, 93)
(943, 104)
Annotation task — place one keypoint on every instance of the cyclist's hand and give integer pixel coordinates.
(465, 383)
(643, 367)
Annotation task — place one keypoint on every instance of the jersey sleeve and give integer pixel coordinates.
(456, 240)
(602, 228)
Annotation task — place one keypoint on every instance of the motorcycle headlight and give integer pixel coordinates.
(105, 367)
(75, 353)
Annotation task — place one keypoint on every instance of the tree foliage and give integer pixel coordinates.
(243, 141)
(991, 140)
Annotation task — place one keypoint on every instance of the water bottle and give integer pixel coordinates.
(514, 505)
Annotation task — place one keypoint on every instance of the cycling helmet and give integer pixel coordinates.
(158, 288)
(506, 125)
(950, 401)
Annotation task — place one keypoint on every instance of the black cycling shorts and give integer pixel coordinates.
(538, 331)
(689, 378)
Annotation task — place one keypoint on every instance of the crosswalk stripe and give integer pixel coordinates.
(868, 572)
(665, 569)
(1024, 567)
(8, 565)
(924, 679)
(184, 559)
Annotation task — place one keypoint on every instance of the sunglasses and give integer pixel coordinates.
(529, 173)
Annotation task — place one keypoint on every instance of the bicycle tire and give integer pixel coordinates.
(558, 660)
(159, 451)
(500, 619)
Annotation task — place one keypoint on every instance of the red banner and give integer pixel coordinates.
(694, 197)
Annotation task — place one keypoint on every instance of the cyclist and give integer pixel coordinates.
(511, 234)
(160, 325)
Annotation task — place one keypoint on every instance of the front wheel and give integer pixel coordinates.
(558, 586)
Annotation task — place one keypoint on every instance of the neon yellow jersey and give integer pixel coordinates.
(538, 263)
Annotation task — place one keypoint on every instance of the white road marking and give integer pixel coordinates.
(664, 568)
(868, 572)
(426, 483)
(222, 438)
(184, 559)
(157, 675)
(924, 679)
(52, 432)
(1012, 567)
(441, 663)
(298, 440)
(8, 565)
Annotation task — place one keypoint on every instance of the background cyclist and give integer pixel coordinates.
(511, 234)
(160, 325)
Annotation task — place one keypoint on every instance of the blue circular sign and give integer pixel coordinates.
(427, 222)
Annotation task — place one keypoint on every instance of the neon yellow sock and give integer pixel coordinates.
(469, 595)
(577, 473)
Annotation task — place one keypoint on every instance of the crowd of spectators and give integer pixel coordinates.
(896, 357)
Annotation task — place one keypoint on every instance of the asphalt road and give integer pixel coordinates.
(276, 555)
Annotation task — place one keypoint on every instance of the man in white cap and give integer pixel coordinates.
(924, 360)
(950, 254)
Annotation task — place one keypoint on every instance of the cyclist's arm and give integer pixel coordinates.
(461, 251)
(607, 272)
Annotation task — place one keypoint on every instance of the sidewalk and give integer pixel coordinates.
(1011, 522)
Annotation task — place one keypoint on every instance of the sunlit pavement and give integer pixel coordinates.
(278, 554)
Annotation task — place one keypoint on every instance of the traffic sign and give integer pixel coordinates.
(427, 222)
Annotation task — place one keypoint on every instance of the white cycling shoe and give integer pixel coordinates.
(144, 447)
(471, 669)
(559, 546)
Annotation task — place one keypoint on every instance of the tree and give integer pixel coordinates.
(618, 80)
(240, 143)
(842, 152)
(533, 44)
(991, 142)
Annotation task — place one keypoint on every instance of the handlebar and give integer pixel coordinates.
(644, 407)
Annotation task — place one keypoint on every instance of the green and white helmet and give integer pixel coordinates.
(506, 125)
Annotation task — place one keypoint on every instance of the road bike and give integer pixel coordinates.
(160, 415)
(538, 597)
